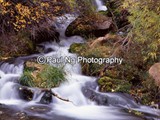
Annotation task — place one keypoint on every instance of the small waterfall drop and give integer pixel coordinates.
(9, 75)
(111, 106)
(100, 5)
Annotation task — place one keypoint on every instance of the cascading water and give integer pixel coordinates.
(77, 89)
(9, 75)
(100, 5)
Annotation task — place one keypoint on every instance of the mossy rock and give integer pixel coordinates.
(98, 51)
(76, 47)
(90, 25)
(42, 76)
(108, 84)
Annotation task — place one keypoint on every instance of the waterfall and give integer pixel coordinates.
(112, 105)
(100, 5)
(9, 75)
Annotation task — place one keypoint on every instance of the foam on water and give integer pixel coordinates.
(100, 5)
(79, 106)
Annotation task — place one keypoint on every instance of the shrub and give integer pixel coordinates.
(51, 76)
(27, 78)
(43, 76)
(146, 22)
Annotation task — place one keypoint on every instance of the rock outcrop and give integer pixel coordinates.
(154, 71)
(90, 26)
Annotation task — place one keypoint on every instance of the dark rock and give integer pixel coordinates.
(48, 50)
(42, 49)
(41, 109)
(46, 98)
(115, 99)
(25, 93)
(92, 85)
(88, 91)
(9, 113)
(93, 96)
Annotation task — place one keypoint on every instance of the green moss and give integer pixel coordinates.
(124, 87)
(76, 47)
(108, 84)
(103, 12)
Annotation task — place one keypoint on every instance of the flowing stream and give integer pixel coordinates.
(77, 88)
(100, 5)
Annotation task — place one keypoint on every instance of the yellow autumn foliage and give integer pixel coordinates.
(145, 19)
(20, 16)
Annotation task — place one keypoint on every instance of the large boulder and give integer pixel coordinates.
(86, 26)
(154, 71)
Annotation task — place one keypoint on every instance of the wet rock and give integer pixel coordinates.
(46, 98)
(41, 109)
(156, 106)
(21, 115)
(42, 49)
(11, 114)
(89, 91)
(93, 96)
(48, 50)
(114, 99)
(91, 85)
(25, 93)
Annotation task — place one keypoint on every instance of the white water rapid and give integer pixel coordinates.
(111, 106)
(100, 5)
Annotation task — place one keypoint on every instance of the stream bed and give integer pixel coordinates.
(78, 88)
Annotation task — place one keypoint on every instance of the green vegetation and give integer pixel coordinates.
(27, 78)
(140, 22)
(108, 84)
(77, 47)
(16, 44)
(43, 76)
(33, 18)
(146, 23)
(20, 22)
(51, 76)
(86, 51)
(24, 24)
